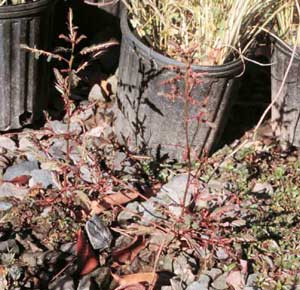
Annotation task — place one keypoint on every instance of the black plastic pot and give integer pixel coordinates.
(150, 121)
(24, 81)
(286, 111)
(111, 6)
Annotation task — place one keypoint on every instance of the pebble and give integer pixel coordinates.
(213, 273)
(24, 168)
(202, 283)
(97, 279)
(251, 280)
(11, 190)
(220, 282)
(149, 211)
(221, 254)
(64, 282)
(62, 128)
(96, 94)
(4, 206)
(41, 177)
(33, 259)
(69, 248)
(7, 143)
(9, 246)
(128, 213)
(99, 234)
(175, 190)
(262, 188)
(183, 267)
(176, 284)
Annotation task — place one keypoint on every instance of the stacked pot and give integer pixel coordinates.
(24, 82)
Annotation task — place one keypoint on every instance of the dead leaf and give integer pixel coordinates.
(236, 280)
(87, 260)
(134, 279)
(129, 253)
(120, 198)
(138, 286)
(96, 208)
(20, 180)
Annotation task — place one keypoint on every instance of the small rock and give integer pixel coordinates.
(46, 211)
(98, 279)
(69, 248)
(11, 190)
(96, 94)
(149, 211)
(7, 143)
(175, 190)
(62, 128)
(118, 161)
(99, 234)
(176, 284)
(184, 268)
(128, 212)
(33, 259)
(58, 148)
(9, 246)
(213, 273)
(4, 206)
(62, 283)
(262, 188)
(41, 177)
(202, 283)
(25, 143)
(221, 254)
(24, 168)
(251, 280)
(220, 282)
(83, 115)
(86, 174)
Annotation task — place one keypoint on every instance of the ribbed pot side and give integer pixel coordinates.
(286, 110)
(24, 81)
(148, 121)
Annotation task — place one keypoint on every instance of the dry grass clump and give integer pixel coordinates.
(287, 25)
(217, 28)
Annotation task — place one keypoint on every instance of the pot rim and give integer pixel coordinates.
(230, 68)
(25, 9)
(287, 49)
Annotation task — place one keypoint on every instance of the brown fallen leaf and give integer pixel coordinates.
(129, 253)
(86, 257)
(20, 180)
(96, 208)
(120, 198)
(138, 286)
(134, 279)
